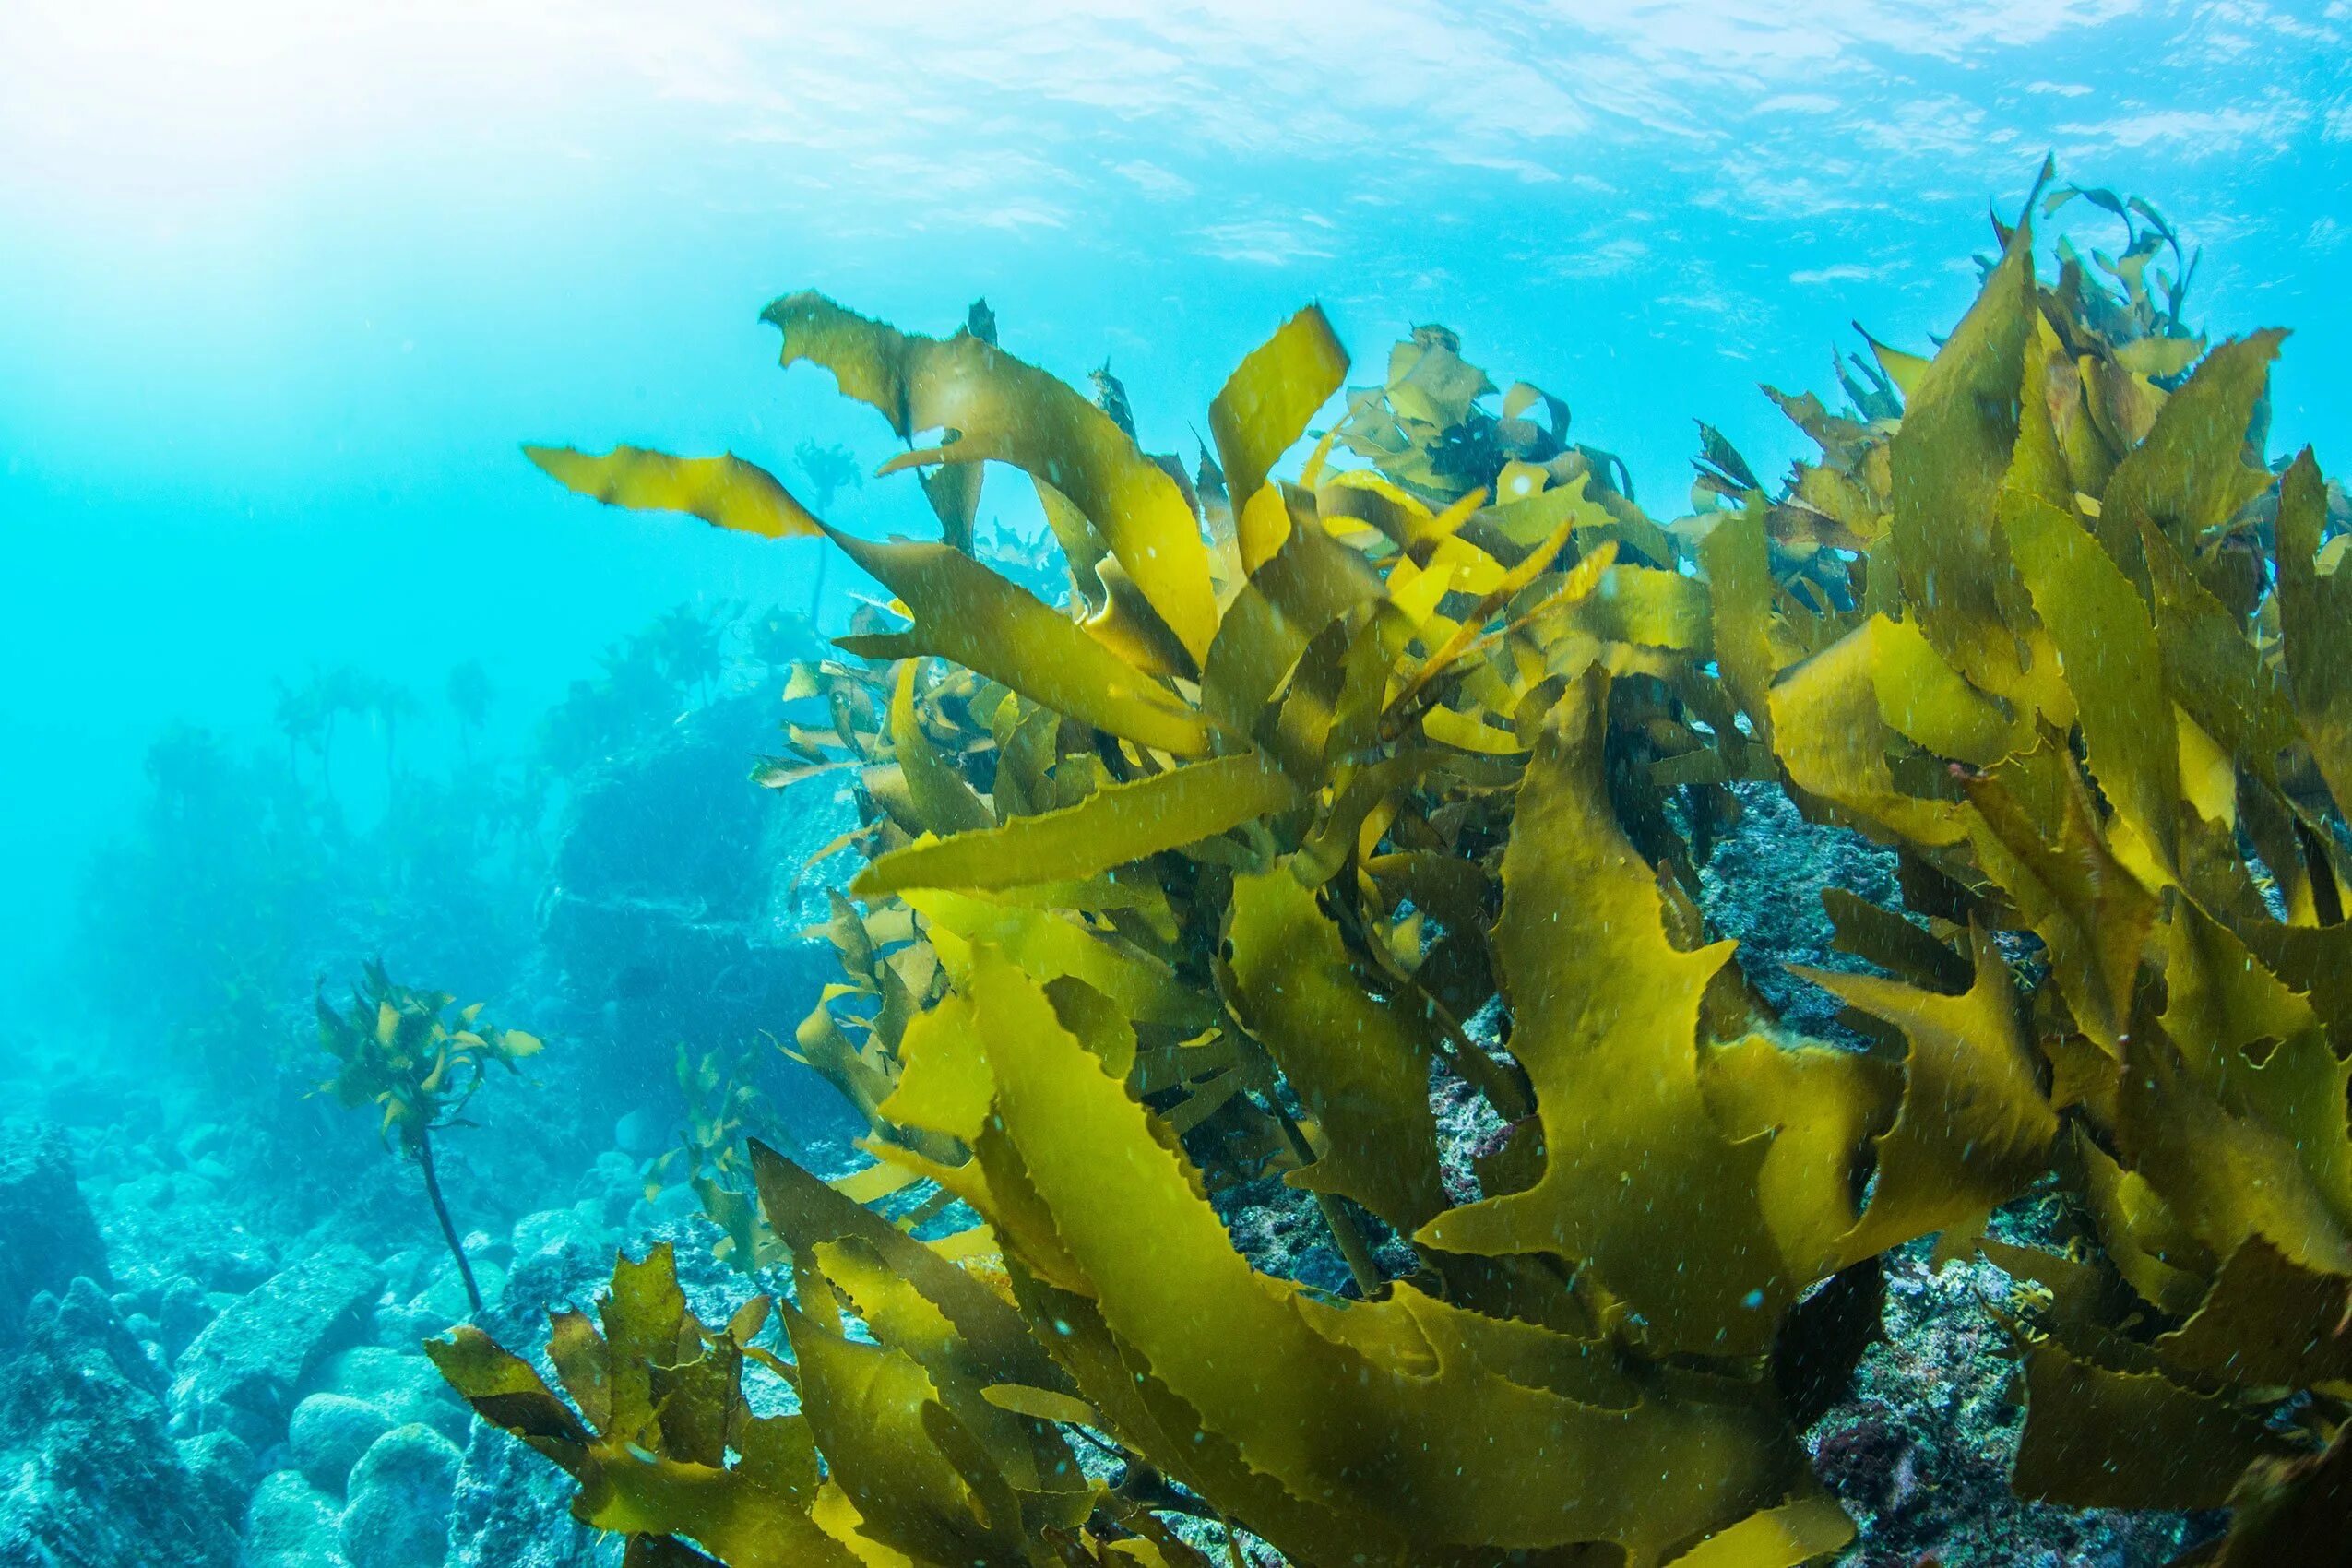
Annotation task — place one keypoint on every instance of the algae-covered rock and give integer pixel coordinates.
(674, 897)
(241, 1373)
(1922, 1449)
(513, 1510)
(89, 1475)
(47, 1238)
(1763, 886)
(400, 1493)
(329, 1434)
(399, 1384)
(185, 1310)
(222, 1465)
(291, 1525)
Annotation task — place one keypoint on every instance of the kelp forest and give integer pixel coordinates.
(1327, 822)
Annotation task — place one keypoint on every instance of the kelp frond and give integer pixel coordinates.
(414, 1054)
(1191, 878)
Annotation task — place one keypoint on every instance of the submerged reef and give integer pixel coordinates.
(1303, 809)
(214, 1284)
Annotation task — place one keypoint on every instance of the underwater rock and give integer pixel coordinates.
(513, 1510)
(676, 896)
(554, 1230)
(1762, 885)
(570, 1273)
(291, 1524)
(640, 1133)
(159, 1230)
(1920, 1450)
(668, 1206)
(441, 1303)
(47, 1236)
(609, 1185)
(222, 1468)
(89, 1475)
(400, 1386)
(185, 1310)
(239, 1374)
(328, 1434)
(1279, 1230)
(400, 1493)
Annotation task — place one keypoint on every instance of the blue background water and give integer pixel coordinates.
(283, 286)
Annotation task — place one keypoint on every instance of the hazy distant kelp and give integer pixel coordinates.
(417, 824)
(1198, 876)
(247, 870)
(646, 679)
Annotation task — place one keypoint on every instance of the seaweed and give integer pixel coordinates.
(1199, 876)
(420, 1059)
(725, 1109)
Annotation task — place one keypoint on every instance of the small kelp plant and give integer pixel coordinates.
(421, 1059)
(1206, 874)
(725, 1110)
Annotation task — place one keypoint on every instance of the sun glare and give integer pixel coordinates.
(152, 103)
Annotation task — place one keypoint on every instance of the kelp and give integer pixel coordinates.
(724, 1109)
(1200, 877)
(2153, 811)
(418, 1058)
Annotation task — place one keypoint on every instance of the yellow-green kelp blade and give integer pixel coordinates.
(726, 492)
(1271, 395)
(1115, 824)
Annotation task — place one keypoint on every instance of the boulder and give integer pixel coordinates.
(291, 1524)
(676, 899)
(89, 1477)
(164, 1226)
(183, 1311)
(440, 1306)
(329, 1434)
(554, 1230)
(400, 1385)
(514, 1509)
(222, 1465)
(400, 1493)
(47, 1236)
(641, 1132)
(241, 1373)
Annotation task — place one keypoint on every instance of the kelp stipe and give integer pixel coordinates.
(1193, 880)
(418, 1059)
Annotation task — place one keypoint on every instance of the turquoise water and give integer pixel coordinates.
(281, 290)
